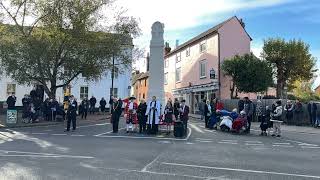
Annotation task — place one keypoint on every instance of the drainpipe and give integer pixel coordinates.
(219, 67)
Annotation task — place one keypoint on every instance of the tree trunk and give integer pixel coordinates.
(232, 89)
(280, 83)
(52, 93)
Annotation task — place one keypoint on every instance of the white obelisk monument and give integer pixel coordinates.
(156, 68)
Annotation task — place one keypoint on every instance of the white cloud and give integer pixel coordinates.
(178, 15)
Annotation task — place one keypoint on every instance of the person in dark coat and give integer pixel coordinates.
(116, 113)
(84, 108)
(103, 104)
(265, 121)
(111, 103)
(176, 107)
(25, 103)
(314, 113)
(310, 111)
(248, 108)
(54, 105)
(11, 102)
(184, 115)
(207, 113)
(168, 115)
(142, 118)
(72, 114)
(93, 102)
(289, 111)
(201, 108)
(240, 105)
(47, 110)
(298, 112)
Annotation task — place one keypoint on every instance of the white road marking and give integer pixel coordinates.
(281, 143)
(189, 143)
(58, 134)
(285, 146)
(305, 144)
(107, 132)
(203, 141)
(78, 135)
(248, 144)
(44, 156)
(159, 173)
(93, 125)
(310, 147)
(196, 128)
(39, 133)
(253, 142)
(34, 154)
(227, 142)
(144, 169)
(299, 142)
(47, 130)
(211, 131)
(147, 137)
(242, 170)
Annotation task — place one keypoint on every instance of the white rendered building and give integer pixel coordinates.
(80, 88)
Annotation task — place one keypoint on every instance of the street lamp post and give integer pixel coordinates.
(112, 76)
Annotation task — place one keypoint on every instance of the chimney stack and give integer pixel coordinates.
(242, 23)
(167, 49)
(177, 43)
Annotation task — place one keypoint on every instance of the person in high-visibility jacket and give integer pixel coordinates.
(66, 99)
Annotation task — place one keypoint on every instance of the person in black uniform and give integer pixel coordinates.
(72, 114)
(116, 113)
(142, 118)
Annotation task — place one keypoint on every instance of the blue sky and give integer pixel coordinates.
(184, 19)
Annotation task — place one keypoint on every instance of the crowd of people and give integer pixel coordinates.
(270, 117)
(148, 116)
(34, 108)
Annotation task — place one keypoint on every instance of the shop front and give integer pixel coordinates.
(195, 94)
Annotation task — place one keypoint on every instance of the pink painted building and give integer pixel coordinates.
(189, 66)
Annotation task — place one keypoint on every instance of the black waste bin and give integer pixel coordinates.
(178, 129)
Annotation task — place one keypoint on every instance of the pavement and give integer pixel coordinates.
(94, 152)
(42, 122)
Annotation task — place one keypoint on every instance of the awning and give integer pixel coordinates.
(197, 88)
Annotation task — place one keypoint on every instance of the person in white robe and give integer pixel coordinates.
(153, 112)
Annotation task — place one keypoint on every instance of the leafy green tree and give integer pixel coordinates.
(290, 60)
(249, 74)
(52, 42)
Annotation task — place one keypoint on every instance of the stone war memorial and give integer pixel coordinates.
(156, 79)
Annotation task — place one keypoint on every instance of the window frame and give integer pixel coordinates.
(13, 85)
(166, 63)
(188, 52)
(114, 90)
(178, 81)
(203, 62)
(82, 94)
(178, 57)
(203, 44)
(166, 78)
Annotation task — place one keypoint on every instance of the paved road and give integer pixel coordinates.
(93, 152)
